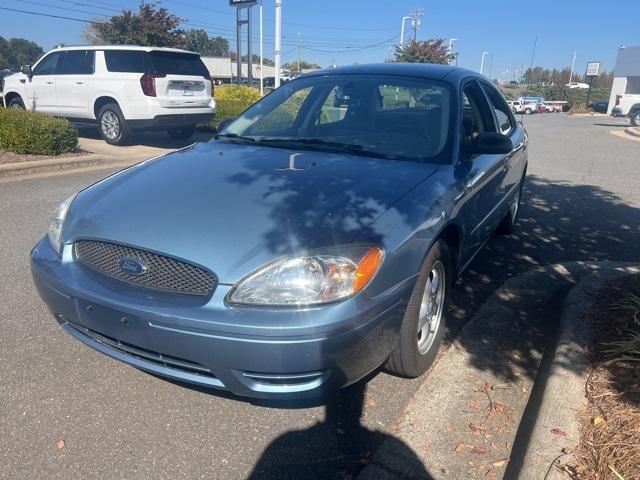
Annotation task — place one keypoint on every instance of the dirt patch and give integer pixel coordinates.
(10, 157)
(610, 442)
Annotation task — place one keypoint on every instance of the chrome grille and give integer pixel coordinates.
(162, 273)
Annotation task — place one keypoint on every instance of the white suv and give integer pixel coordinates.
(118, 88)
(628, 105)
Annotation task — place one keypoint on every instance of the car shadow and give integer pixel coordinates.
(158, 138)
(621, 125)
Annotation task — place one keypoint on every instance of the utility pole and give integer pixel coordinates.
(261, 56)
(249, 49)
(573, 64)
(484, 54)
(299, 49)
(238, 47)
(278, 34)
(416, 21)
(402, 30)
(450, 50)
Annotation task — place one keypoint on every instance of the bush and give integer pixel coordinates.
(35, 133)
(232, 100)
(579, 108)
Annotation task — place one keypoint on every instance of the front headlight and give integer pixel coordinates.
(55, 227)
(310, 279)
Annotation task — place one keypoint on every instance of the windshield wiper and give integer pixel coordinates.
(234, 136)
(320, 144)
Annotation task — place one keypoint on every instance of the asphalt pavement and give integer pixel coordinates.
(582, 202)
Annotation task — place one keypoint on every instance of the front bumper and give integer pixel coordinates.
(306, 354)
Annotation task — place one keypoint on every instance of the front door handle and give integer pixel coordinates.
(50, 82)
(79, 83)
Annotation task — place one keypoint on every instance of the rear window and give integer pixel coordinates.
(173, 63)
(128, 61)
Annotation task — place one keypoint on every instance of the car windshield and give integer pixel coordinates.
(383, 116)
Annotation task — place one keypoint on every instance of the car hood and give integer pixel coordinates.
(234, 207)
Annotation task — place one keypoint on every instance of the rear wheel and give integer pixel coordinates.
(16, 103)
(528, 111)
(508, 224)
(112, 125)
(424, 320)
(635, 118)
(181, 133)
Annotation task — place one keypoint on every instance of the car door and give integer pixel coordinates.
(482, 175)
(72, 84)
(515, 161)
(41, 87)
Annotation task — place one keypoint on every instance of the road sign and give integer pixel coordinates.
(242, 3)
(593, 69)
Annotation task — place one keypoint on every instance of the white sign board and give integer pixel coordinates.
(593, 69)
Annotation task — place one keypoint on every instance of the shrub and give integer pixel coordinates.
(22, 131)
(579, 108)
(232, 100)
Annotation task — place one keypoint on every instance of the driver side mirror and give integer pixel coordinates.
(488, 143)
(26, 69)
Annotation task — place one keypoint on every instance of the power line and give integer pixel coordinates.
(49, 15)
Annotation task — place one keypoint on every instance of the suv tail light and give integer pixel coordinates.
(148, 84)
(618, 97)
(213, 83)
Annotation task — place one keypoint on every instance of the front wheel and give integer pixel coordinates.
(635, 118)
(112, 125)
(16, 103)
(424, 319)
(181, 133)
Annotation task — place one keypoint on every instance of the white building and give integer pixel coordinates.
(223, 69)
(626, 74)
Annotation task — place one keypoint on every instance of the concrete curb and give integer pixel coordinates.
(564, 388)
(635, 132)
(438, 415)
(21, 169)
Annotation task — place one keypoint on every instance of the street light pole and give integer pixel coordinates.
(573, 64)
(261, 56)
(402, 30)
(451, 40)
(484, 54)
(278, 34)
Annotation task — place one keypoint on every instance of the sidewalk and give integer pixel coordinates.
(476, 414)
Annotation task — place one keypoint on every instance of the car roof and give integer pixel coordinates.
(449, 73)
(123, 47)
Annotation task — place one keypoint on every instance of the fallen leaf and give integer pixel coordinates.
(60, 443)
(499, 407)
(500, 463)
(489, 473)
(460, 448)
(559, 432)
(448, 428)
(478, 451)
(507, 445)
(371, 402)
(597, 420)
(475, 428)
(494, 446)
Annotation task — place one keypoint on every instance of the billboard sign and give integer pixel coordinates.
(593, 69)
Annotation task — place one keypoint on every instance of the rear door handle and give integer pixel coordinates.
(79, 83)
(50, 82)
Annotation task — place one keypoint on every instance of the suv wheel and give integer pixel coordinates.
(424, 319)
(16, 103)
(635, 118)
(181, 133)
(112, 125)
(528, 111)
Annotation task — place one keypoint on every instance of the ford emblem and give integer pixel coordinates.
(132, 266)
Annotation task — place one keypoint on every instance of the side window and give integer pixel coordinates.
(476, 116)
(49, 64)
(333, 109)
(283, 116)
(127, 61)
(500, 109)
(78, 62)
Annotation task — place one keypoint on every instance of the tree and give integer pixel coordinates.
(303, 65)
(424, 51)
(197, 40)
(150, 26)
(16, 52)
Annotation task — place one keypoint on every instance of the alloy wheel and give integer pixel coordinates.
(431, 307)
(110, 125)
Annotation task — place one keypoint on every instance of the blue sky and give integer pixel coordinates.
(350, 31)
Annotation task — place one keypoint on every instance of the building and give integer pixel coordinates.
(626, 74)
(223, 70)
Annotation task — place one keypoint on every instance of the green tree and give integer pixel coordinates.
(149, 26)
(197, 40)
(424, 51)
(16, 52)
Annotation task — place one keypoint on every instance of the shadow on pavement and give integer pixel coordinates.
(337, 448)
(158, 139)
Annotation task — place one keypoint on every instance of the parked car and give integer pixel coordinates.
(628, 105)
(520, 106)
(600, 107)
(294, 253)
(118, 89)
(3, 74)
(578, 85)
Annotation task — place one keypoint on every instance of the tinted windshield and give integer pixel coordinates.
(171, 63)
(387, 116)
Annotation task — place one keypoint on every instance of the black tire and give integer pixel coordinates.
(16, 103)
(508, 224)
(181, 133)
(528, 111)
(407, 361)
(112, 125)
(635, 118)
